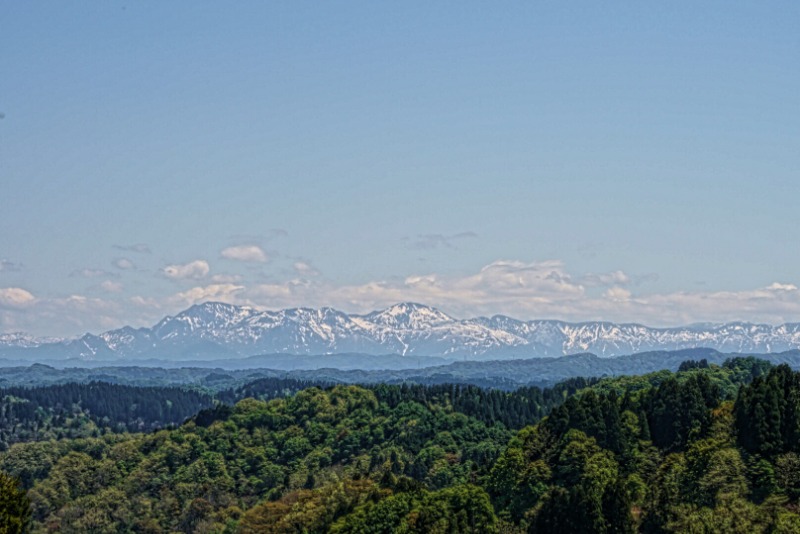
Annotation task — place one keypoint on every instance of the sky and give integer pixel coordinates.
(568, 160)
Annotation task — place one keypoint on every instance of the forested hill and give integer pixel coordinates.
(78, 410)
(326, 451)
(514, 409)
(708, 449)
(507, 374)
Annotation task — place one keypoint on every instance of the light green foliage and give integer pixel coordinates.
(732, 514)
(461, 508)
(665, 452)
(787, 474)
(304, 446)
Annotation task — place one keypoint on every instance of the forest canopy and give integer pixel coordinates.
(707, 449)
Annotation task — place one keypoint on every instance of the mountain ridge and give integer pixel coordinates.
(218, 330)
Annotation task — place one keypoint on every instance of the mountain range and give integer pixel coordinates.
(216, 330)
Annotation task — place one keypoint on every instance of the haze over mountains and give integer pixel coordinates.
(222, 331)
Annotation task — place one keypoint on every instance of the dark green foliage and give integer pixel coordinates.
(268, 388)
(688, 365)
(680, 411)
(513, 409)
(768, 413)
(205, 417)
(661, 457)
(78, 410)
(746, 369)
(597, 415)
(15, 507)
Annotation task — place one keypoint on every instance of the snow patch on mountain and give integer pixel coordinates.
(216, 330)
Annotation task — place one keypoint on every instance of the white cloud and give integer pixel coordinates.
(111, 286)
(304, 268)
(501, 287)
(141, 248)
(617, 294)
(537, 290)
(525, 290)
(216, 292)
(618, 278)
(226, 278)
(145, 302)
(247, 253)
(91, 273)
(291, 293)
(194, 270)
(491, 290)
(71, 315)
(272, 294)
(124, 264)
(15, 297)
(775, 286)
(79, 313)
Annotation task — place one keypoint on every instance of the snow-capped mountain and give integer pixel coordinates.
(23, 340)
(216, 330)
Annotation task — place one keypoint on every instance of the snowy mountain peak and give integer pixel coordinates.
(214, 330)
(206, 317)
(22, 340)
(409, 315)
(216, 311)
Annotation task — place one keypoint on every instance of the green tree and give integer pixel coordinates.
(15, 507)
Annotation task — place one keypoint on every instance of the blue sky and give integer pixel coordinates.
(581, 161)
